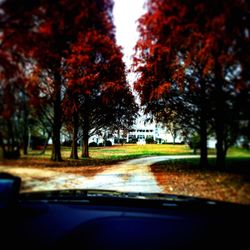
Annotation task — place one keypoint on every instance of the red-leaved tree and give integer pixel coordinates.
(98, 96)
(191, 66)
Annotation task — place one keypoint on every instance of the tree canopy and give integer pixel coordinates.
(192, 59)
(61, 58)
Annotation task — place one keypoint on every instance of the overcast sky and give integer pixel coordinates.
(126, 13)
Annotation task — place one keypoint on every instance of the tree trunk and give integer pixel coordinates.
(74, 152)
(85, 145)
(203, 127)
(46, 144)
(11, 139)
(220, 155)
(56, 150)
(219, 121)
(85, 142)
(174, 137)
(12, 151)
(119, 136)
(56, 147)
(25, 127)
(2, 145)
(203, 144)
(194, 150)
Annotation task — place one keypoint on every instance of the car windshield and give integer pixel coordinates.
(147, 96)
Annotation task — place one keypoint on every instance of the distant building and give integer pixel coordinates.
(139, 133)
(157, 131)
(102, 137)
(211, 143)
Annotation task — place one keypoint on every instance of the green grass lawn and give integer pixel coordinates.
(103, 155)
(237, 161)
(238, 152)
(115, 153)
(132, 151)
(120, 152)
(127, 151)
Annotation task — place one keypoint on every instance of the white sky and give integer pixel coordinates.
(126, 13)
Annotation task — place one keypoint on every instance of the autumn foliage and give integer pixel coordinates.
(60, 69)
(192, 59)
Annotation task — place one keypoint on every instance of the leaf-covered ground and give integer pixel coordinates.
(185, 178)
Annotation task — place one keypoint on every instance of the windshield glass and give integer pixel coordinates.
(136, 96)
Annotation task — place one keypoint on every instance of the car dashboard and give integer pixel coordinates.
(102, 219)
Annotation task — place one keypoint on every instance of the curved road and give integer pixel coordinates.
(133, 175)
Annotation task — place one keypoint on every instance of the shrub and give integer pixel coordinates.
(133, 140)
(245, 144)
(15, 154)
(108, 143)
(37, 142)
(93, 144)
(150, 140)
(67, 143)
(194, 143)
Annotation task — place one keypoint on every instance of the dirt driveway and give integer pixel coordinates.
(132, 175)
(136, 175)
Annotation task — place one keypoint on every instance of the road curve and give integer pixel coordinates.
(132, 175)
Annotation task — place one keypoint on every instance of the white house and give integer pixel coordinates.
(142, 130)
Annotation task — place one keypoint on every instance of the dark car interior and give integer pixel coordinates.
(101, 219)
